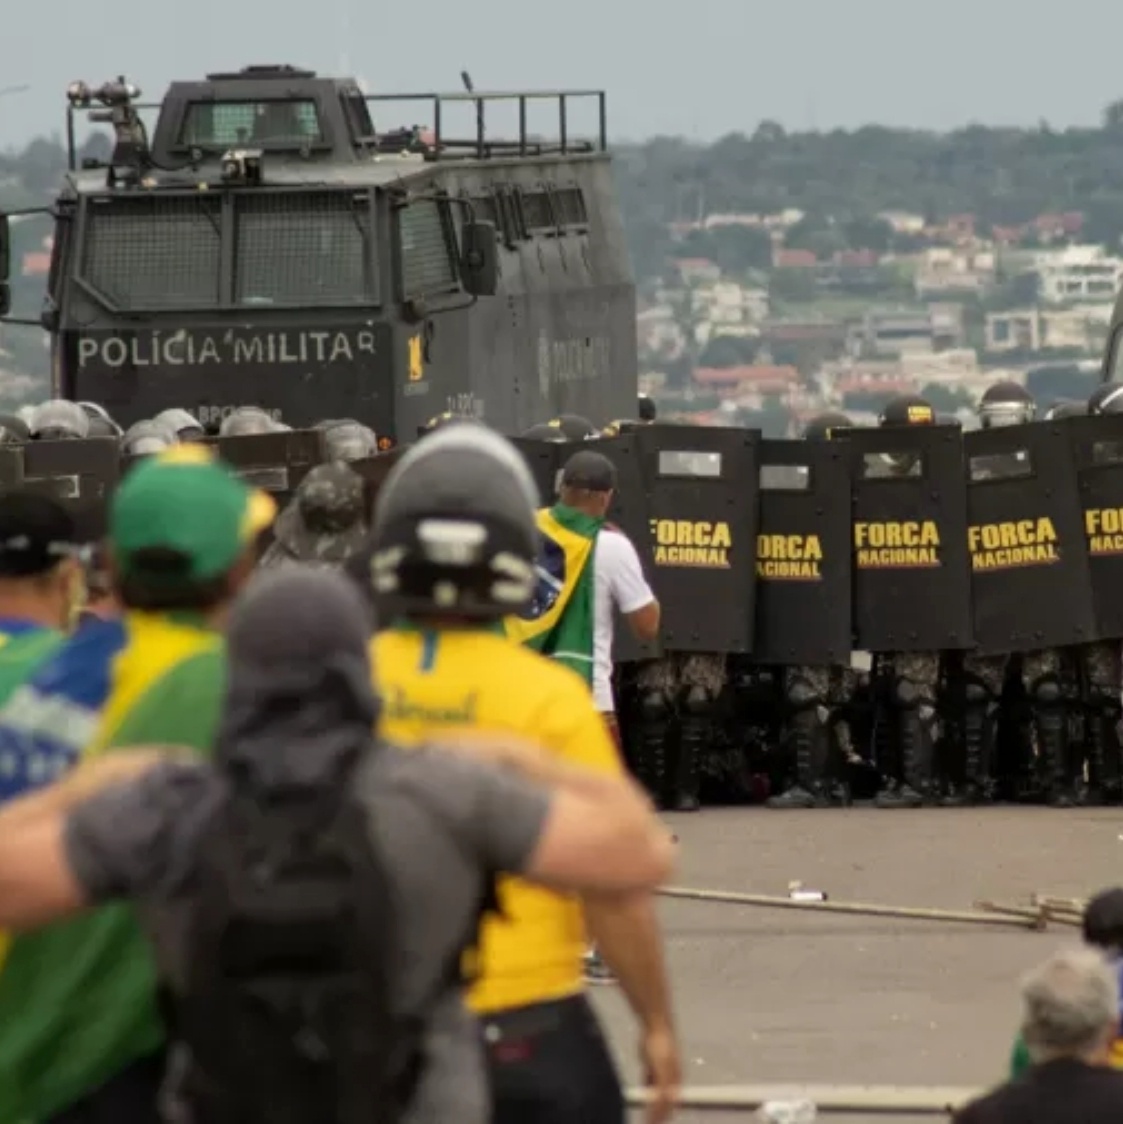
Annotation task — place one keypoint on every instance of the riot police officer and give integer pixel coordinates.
(574, 427)
(982, 677)
(1066, 409)
(183, 424)
(814, 701)
(143, 438)
(59, 420)
(1041, 671)
(246, 421)
(348, 440)
(907, 682)
(551, 434)
(1100, 665)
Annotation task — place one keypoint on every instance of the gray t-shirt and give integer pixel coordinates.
(439, 820)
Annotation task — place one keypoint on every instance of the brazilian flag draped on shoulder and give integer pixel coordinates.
(559, 621)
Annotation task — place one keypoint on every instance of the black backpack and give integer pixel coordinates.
(284, 1015)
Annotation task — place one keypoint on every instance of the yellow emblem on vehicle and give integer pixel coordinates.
(416, 361)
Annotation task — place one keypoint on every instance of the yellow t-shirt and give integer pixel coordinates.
(434, 681)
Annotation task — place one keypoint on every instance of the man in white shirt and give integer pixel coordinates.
(588, 482)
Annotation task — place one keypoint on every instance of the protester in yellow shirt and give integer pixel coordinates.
(453, 552)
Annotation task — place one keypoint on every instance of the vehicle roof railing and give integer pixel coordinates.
(481, 147)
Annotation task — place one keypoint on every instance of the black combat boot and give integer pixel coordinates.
(977, 719)
(1051, 726)
(807, 739)
(1095, 743)
(907, 789)
(651, 748)
(694, 729)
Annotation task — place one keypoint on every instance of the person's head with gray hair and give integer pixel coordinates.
(1071, 1006)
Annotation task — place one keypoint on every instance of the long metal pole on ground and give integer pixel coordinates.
(899, 1100)
(1040, 912)
(860, 908)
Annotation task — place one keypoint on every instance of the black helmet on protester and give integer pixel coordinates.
(907, 409)
(1006, 403)
(1106, 399)
(821, 427)
(454, 530)
(575, 427)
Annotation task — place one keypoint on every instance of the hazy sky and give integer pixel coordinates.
(700, 68)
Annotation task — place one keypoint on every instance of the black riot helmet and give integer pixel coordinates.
(454, 531)
(647, 411)
(551, 434)
(1106, 399)
(907, 409)
(1005, 403)
(1103, 919)
(1066, 409)
(575, 427)
(620, 426)
(820, 427)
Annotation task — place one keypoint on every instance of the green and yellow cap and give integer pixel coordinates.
(188, 508)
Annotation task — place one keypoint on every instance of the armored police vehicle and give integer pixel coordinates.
(276, 244)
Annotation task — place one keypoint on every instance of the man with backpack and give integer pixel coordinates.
(455, 551)
(310, 894)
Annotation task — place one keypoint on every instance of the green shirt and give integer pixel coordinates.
(77, 999)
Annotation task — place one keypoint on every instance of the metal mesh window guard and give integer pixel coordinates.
(536, 210)
(231, 124)
(427, 263)
(154, 253)
(306, 247)
(570, 203)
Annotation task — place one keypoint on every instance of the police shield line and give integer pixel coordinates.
(906, 613)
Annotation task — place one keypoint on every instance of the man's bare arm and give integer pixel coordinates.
(37, 883)
(625, 929)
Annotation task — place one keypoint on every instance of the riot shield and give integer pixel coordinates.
(629, 512)
(912, 588)
(1030, 577)
(11, 467)
(80, 474)
(803, 557)
(1097, 445)
(702, 527)
(544, 458)
(274, 462)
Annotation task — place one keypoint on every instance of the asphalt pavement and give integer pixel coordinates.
(767, 996)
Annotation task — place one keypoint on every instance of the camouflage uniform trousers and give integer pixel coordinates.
(1102, 665)
(833, 686)
(991, 670)
(678, 671)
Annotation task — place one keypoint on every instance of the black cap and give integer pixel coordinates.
(36, 534)
(593, 472)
